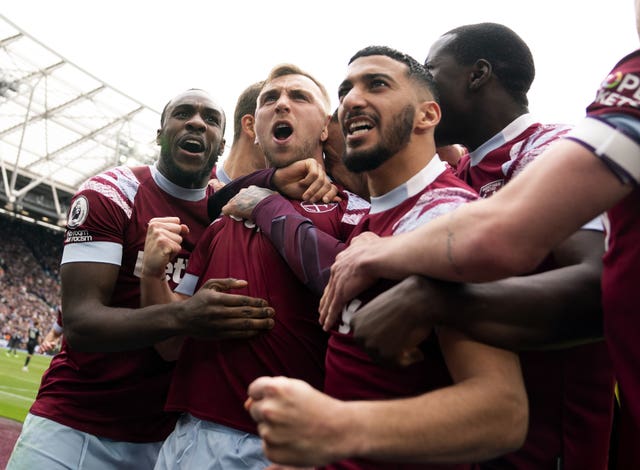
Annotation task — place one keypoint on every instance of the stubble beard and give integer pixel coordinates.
(305, 150)
(392, 140)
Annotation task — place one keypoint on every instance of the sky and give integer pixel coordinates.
(152, 51)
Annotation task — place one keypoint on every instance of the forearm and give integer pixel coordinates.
(109, 329)
(437, 427)
(553, 308)
(460, 246)
(155, 290)
(528, 312)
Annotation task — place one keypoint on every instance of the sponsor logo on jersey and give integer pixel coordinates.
(619, 89)
(174, 270)
(490, 188)
(612, 80)
(78, 212)
(77, 236)
(318, 208)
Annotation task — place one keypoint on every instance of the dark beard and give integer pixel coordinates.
(391, 142)
(186, 179)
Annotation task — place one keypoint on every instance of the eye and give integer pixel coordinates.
(342, 92)
(300, 96)
(378, 83)
(268, 98)
(213, 119)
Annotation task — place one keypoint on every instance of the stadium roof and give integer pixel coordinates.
(59, 125)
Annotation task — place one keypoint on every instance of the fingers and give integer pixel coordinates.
(170, 224)
(409, 356)
(224, 285)
(363, 238)
(330, 304)
(224, 300)
(216, 184)
(319, 186)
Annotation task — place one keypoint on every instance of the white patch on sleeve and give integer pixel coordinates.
(608, 142)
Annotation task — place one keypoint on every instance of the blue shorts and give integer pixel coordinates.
(46, 444)
(204, 445)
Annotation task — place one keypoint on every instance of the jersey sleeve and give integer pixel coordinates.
(220, 198)
(432, 205)
(98, 217)
(611, 130)
(308, 251)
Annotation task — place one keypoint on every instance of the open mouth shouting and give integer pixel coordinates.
(191, 144)
(282, 131)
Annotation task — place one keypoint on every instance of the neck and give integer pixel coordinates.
(495, 117)
(244, 158)
(401, 167)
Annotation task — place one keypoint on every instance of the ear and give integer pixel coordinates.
(223, 142)
(158, 132)
(480, 74)
(247, 122)
(428, 116)
(324, 135)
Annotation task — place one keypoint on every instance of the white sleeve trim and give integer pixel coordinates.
(187, 285)
(595, 224)
(609, 143)
(92, 252)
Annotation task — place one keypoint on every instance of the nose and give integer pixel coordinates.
(283, 105)
(353, 99)
(196, 123)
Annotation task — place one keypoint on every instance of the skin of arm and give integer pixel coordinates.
(91, 324)
(504, 235)
(50, 341)
(463, 422)
(550, 309)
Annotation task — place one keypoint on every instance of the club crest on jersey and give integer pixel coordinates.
(318, 208)
(78, 212)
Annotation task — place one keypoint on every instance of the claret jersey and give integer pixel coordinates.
(611, 131)
(211, 377)
(119, 395)
(351, 373)
(569, 390)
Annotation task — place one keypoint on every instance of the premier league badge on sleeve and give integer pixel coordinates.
(78, 212)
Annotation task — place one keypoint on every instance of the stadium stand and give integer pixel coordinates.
(29, 275)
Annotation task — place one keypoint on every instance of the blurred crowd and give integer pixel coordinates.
(29, 277)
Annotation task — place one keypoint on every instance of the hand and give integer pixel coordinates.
(216, 184)
(348, 278)
(213, 313)
(451, 153)
(162, 244)
(391, 326)
(47, 346)
(243, 203)
(305, 180)
(295, 421)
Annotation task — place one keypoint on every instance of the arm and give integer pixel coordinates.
(482, 415)
(91, 324)
(51, 339)
(308, 251)
(507, 234)
(549, 309)
(303, 180)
